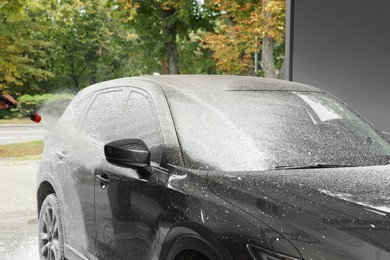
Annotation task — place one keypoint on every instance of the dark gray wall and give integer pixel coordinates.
(343, 46)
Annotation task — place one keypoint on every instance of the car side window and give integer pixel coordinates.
(101, 122)
(139, 120)
(73, 113)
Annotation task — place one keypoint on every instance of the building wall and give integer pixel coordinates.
(343, 46)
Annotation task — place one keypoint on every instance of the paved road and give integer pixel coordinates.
(18, 221)
(21, 133)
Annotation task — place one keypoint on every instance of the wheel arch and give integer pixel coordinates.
(196, 238)
(45, 188)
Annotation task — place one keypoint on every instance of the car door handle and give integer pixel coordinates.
(103, 180)
(62, 154)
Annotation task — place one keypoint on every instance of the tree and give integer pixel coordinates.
(245, 26)
(162, 25)
(19, 50)
(193, 58)
(86, 42)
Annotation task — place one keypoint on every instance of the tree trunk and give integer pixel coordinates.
(282, 72)
(93, 74)
(76, 83)
(173, 58)
(267, 58)
(75, 77)
(164, 66)
(267, 52)
(171, 47)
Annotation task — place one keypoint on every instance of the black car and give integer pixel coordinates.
(213, 168)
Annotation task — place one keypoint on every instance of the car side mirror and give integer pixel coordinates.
(132, 153)
(386, 136)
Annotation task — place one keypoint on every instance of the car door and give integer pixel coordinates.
(128, 202)
(81, 153)
(65, 143)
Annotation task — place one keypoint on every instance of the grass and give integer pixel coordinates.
(22, 151)
(16, 121)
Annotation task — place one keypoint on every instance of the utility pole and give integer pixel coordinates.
(256, 56)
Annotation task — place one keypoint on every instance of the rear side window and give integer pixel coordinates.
(102, 120)
(139, 120)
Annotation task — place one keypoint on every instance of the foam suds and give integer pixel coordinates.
(75, 142)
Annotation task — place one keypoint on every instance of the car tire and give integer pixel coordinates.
(50, 235)
(191, 255)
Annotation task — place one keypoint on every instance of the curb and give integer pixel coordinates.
(10, 162)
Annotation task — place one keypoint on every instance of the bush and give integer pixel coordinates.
(52, 104)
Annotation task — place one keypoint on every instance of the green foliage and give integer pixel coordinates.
(49, 46)
(88, 44)
(164, 30)
(279, 52)
(19, 49)
(193, 58)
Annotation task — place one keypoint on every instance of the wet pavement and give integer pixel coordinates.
(18, 222)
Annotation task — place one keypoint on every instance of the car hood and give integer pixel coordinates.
(342, 211)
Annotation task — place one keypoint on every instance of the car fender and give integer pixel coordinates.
(184, 238)
(48, 177)
(44, 176)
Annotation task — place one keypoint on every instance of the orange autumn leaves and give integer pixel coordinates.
(243, 26)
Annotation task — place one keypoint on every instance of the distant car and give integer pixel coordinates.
(213, 168)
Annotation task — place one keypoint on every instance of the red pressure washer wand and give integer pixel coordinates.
(32, 115)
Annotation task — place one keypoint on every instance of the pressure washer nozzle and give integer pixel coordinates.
(35, 117)
(32, 115)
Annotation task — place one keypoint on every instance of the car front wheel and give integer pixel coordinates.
(51, 244)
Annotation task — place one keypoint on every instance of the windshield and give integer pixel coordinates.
(259, 130)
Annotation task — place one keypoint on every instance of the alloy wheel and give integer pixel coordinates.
(49, 233)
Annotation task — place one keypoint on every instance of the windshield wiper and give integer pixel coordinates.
(310, 166)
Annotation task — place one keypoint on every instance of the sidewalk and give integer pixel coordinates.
(18, 217)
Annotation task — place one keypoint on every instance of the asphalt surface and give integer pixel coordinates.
(10, 134)
(18, 220)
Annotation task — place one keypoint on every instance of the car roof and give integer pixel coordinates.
(203, 83)
(206, 83)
